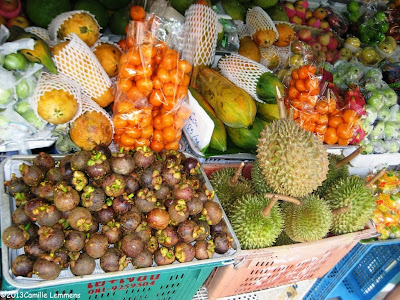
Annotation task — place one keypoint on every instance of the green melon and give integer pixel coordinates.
(246, 138)
(266, 87)
(118, 21)
(95, 8)
(41, 12)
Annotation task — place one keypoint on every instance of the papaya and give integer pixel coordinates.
(249, 49)
(218, 137)
(266, 87)
(233, 106)
(244, 138)
(267, 112)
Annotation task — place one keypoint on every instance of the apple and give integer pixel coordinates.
(324, 39)
(314, 22)
(8, 5)
(330, 56)
(319, 13)
(289, 8)
(295, 60)
(333, 43)
(321, 57)
(296, 20)
(305, 34)
(302, 2)
(324, 48)
(369, 56)
(345, 54)
(300, 10)
(20, 21)
(316, 46)
(324, 25)
(308, 13)
(297, 46)
(352, 41)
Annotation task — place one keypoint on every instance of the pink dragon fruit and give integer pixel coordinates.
(355, 100)
(358, 135)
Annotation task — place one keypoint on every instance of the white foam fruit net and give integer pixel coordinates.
(268, 54)
(200, 35)
(258, 19)
(89, 105)
(241, 29)
(48, 82)
(243, 72)
(40, 32)
(284, 55)
(78, 62)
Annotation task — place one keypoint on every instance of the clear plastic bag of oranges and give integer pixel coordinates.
(151, 105)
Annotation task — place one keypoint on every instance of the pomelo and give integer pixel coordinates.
(118, 21)
(41, 12)
(96, 8)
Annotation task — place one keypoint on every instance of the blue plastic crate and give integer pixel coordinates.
(361, 274)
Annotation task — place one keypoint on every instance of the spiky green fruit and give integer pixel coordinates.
(228, 191)
(334, 173)
(309, 221)
(352, 204)
(257, 178)
(293, 161)
(253, 229)
(283, 239)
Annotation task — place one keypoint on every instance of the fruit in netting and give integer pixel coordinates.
(334, 173)
(257, 179)
(294, 173)
(57, 106)
(91, 129)
(309, 221)
(352, 204)
(264, 37)
(82, 24)
(109, 56)
(286, 34)
(82, 265)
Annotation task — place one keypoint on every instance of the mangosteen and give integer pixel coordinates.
(114, 185)
(82, 265)
(19, 217)
(103, 150)
(222, 242)
(61, 256)
(158, 164)
(152, 244)
(163, 193)
(132, 184)
(16, 185)
(143, 157)
(32, 248)
(65, 197)
(105, 215)
(31, 175)
(178, 212)
(22, 265)
(150, 178)
(14, 237)
(143, 260)
(158, 218)
(172, 156)
(122, 204)
(145, 200)
(74, 240)
(191, 166)
(195, 181)
(203, 231)
(48, 215)
(132, 245)
(44, 161)
(93, 198)
(194, 206)
(113, 260)
(168, 236)
(188, 231)
(122, 163)
(219, 227)
(54, 175)
(98, 166)
(204, 249)
(78, 180)
(79, 160)
(184, 252)
(31, 229)
(168, 202)
(164, 256)
(50, 239)
(80, 219)
(95, 225)
(171, 174)
(212, 211)
(183, 191)
(112, 231)
(96, 245)
(65, 167)
(129, 221)
(144, 231)
(46, 269)
(205, 194)
(34, 206)
(45, 190)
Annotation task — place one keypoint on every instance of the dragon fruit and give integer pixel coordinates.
(355, 100)
(358, 135)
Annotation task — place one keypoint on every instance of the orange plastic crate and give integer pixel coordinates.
(260, 269)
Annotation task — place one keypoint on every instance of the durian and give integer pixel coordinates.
(257, 178)
(283, 239)
(293, 161)
(309, 221)
(334, 173)
(352, 204)
(229, 184)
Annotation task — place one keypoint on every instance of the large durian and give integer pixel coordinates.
(257, 178)
(352, 204)
(335, 172)
(283, 239)
(293, 161)
(309, 221)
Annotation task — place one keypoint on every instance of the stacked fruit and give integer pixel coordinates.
(373, 29)
(151, 87)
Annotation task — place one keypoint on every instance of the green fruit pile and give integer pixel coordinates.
(372, 30)
(353, 12)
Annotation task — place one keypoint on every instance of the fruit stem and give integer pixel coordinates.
(350, 157)
(234, 180)
(375, 178)
(340, 210)
(281, 105)
(274, 198)
(267, 210)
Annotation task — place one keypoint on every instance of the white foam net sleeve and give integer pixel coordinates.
(48, 82)
(284, 55)
(267, 54)
(77, 61)
(243, 72)
(99, 42)
(200, 35)
(241, 29)
(56, 23)
(258, 19)
(40, 32)
(89, 105)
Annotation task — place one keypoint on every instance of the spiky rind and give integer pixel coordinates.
(293, 161)
(252, 228)
(334, 173)
(309, 221)
(283, 239)
(257, 178)
(350, 192)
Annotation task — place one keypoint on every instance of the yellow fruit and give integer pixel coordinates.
(286, 35)
(249, 49)
(264, 37)
(106, 98)
(57, 106)
(108, 56)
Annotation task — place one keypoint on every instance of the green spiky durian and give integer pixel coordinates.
(334, 173)
(352, 204)
(309, 221)
(253, 229)
(228, 190)
(293, 161)
(283, 239)
(257, 178)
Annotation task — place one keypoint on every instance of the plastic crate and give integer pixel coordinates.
(260, 269)
(361, 274)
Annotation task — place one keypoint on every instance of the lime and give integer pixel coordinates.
(354, 16)
(380, 36)
(383, 27)
(352, 6)
(365, 39)
(363, 29)
(380, 16)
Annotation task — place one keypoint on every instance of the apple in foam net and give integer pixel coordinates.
(305, 34)
(319, 13)
(324, 39)
(345, 54)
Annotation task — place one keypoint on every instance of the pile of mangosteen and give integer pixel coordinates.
(139, 207)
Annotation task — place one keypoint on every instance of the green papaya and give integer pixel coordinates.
(244, 138)
(218, 138)
(233, 106)
(267, 112)
(266, 87)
